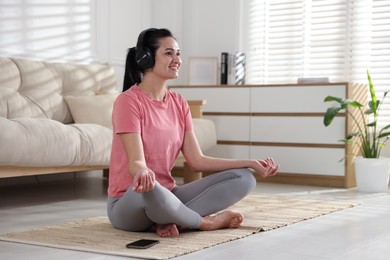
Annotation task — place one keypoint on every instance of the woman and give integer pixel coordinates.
(151, 126)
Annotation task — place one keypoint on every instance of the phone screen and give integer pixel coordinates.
(142, 243)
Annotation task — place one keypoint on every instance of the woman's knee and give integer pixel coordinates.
(246, 179)
(126, 215)
(241, 177)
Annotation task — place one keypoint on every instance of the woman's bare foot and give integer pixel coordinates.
(167, 230)
(225, 219)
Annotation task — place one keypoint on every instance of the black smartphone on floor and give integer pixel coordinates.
(142, 243)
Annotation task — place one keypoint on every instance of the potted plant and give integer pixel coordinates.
(372, 171)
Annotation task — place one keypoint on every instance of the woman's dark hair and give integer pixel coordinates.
(148, 40)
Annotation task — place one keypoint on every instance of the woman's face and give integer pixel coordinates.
(167, 59)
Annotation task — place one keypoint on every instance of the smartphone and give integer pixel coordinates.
(142, 243)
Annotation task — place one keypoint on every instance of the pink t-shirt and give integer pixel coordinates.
(162, 125)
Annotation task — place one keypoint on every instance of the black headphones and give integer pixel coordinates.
(143, 56)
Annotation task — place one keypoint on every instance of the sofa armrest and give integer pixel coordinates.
(196, 107)
(203, 127)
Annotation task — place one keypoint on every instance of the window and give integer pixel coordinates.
(51, 30)
(338, 39)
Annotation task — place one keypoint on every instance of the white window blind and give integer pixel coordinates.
(51, 30)
(380, 53)
(338, 39)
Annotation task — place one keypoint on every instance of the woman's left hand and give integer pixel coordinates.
(266, 167)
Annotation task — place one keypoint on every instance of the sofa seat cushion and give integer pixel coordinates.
(46, 142)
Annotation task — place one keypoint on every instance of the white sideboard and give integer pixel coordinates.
(284, 122)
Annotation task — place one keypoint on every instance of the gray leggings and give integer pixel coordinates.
(184, 206)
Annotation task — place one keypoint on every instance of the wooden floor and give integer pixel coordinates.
(362, 232)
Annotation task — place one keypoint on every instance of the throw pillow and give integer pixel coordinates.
(92, 109)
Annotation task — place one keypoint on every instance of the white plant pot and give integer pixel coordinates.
(372, 174)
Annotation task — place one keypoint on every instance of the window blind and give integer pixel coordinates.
(379, 49)
(338, 39)
(51, 30)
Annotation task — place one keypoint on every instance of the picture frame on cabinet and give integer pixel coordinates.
(202, 70)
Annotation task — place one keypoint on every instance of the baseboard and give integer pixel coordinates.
(288, 178)
(306, 179)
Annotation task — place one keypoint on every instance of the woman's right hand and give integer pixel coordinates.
(144, 181)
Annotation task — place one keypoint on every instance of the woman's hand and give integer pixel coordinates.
(266, 167)
(144, 181)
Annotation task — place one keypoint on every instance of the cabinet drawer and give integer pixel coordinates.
(293, 99)
(293, 129)
(219, 99)
(229, 151)
(315, 161)
(231, 128)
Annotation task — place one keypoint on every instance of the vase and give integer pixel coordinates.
(372, 174)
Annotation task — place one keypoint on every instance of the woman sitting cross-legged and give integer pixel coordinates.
(151, 125)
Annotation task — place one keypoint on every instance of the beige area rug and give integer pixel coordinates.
(261, 212)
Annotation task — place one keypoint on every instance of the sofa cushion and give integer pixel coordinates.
(85, 79)
(35, 89)
(92, 109)
(46, 142)
(28, 89)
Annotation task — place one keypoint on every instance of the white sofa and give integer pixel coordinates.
(56, 117)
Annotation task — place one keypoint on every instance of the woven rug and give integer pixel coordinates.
(96, 234)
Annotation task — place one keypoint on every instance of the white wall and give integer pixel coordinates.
(103, 30)
(201, 27)
(209, 28)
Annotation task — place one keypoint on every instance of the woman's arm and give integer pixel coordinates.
(199, 162)
(143, 177)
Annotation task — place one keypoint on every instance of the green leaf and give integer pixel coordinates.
(346, 141)
(354, 103)
(371, 109)
(332, 98)
(386, 127)
(374, 103)
(384, 135)
(351, 135)
(330, 115)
